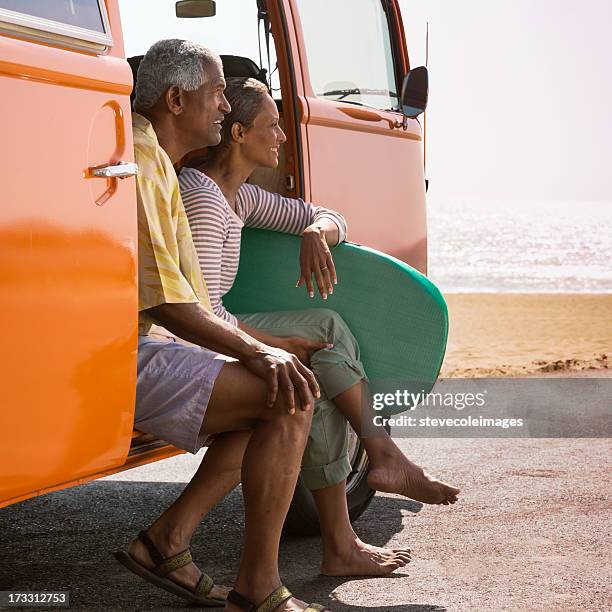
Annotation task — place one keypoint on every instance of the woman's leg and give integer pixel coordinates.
(325, 464)
(391, 471)
(341, 376)
(344, 554)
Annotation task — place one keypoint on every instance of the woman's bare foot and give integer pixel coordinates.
(187, 576)
(361, 559)
(395, 473)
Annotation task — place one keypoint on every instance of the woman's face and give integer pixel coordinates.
(263, 139)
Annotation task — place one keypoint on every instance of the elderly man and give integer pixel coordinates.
(257, 401)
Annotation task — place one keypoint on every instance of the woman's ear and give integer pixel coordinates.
(238, 131)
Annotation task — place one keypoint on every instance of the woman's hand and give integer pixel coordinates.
(316, 259)
(302, 348)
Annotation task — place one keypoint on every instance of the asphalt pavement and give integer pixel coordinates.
(531, 532)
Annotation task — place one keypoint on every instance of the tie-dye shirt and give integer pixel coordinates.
(168, 268)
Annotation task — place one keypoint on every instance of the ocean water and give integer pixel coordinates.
(506, 246)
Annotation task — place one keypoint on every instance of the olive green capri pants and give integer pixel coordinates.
(326, 461)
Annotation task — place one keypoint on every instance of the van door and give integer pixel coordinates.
(360, 160)
(68, 294)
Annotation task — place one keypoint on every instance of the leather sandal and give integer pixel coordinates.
(166, 565)
(270, 603)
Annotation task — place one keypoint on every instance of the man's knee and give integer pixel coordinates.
(293, 429)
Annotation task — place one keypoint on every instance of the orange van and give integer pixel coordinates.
(68, 280)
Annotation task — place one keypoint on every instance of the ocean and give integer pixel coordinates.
(520, 246)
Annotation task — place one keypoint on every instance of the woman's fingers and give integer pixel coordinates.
(318, 273)
(332, 268)
(322, 267)
(315, 345)
(307, 278)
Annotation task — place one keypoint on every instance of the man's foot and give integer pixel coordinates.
(291, 605)
(361, 559)
(187, 576)
(397, 474)
(279, 599)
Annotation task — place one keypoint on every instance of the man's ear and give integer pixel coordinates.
(238, 130)
(175, 99)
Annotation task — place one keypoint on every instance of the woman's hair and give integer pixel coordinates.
(246, 97)
(172, 62)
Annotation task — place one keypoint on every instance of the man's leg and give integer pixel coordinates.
(269, 472)
(274, 448)
(217, 475)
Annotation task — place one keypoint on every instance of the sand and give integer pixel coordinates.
(507, 334)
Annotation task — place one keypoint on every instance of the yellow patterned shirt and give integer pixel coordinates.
(168, 268)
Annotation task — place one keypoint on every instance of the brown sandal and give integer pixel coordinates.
(270, 603)
(163, 567)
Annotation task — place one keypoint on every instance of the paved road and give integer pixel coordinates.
(532, 532)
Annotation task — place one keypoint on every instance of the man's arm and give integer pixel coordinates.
(281, 370)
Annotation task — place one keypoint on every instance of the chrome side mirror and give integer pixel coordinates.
(415, 90)
(196, 8)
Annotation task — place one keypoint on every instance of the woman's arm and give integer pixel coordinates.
(320, 228)
(273, 211)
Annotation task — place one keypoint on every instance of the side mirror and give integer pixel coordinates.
(415, 90)
(196, 8)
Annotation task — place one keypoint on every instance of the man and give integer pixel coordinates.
(258, 404)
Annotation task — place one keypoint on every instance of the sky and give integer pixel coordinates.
(520, 94)
(520, 90)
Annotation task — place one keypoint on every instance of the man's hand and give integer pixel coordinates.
(302, 348)
(316, 259)
(285, 374)
(282, 371)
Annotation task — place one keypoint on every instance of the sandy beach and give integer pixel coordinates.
(517, 334)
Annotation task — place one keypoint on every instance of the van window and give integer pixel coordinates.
(81, 13)
(81, 24)
(234, 30)
(349, 51)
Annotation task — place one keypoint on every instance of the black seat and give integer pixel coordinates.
(233, 66)
(237, 66)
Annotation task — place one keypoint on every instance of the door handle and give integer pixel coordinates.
(120, 170)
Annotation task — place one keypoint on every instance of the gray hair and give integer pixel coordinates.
(245, 96)
(168, 63)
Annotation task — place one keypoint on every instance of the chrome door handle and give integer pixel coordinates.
(121, 170)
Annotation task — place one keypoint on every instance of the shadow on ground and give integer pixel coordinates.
(65, 541)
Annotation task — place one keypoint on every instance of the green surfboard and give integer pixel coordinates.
(397, 315)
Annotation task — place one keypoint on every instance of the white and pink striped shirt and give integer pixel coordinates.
(216, 228)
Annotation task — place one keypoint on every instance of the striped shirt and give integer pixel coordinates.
(216, 228)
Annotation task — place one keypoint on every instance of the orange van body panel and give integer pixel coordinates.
(67, 266)
(385, 208)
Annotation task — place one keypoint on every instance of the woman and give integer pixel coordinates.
(219, 203)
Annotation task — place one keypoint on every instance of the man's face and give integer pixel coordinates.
(204, 111)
